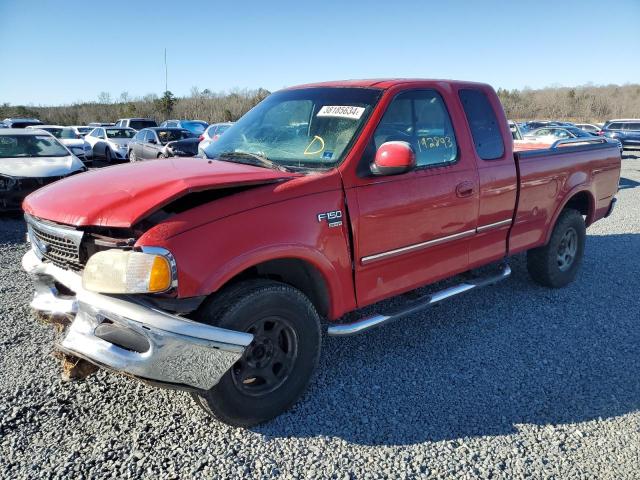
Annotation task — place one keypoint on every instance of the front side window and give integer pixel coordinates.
(483, 123)
(614, 126)
(306, 128)
(421, 119)
(30, 146)
(149, 135)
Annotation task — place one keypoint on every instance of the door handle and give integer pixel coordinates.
(464, 189)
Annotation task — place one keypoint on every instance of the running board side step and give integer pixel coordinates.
(346, 329)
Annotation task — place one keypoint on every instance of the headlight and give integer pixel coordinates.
(77, 150)
(118, 271)
(7, 183)
(87, 147)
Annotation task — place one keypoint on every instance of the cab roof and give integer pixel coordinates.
(383, 83)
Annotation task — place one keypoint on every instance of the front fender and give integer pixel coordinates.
(210, 255)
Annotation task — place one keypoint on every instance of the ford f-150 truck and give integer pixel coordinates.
(217, 275)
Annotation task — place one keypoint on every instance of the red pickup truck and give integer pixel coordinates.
(215, 275)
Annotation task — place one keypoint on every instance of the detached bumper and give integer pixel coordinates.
(129, 336)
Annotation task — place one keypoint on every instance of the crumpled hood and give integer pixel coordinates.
(39, 167)
(122, 195)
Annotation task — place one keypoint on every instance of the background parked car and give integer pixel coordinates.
(626, 131)
(551, 134)
(136, 123)
(81, 130)
(21, 122)
(516, 133)
(67, 137)
(110, 142)
(29, 159)
(589, 127)
(100, 124)
(152, 143)
(194, 126)
(212, 133)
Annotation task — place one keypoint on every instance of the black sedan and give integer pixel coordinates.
(152, 143)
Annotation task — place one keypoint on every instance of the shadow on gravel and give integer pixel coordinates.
(627, 183)
(511, 354)
(12, 228)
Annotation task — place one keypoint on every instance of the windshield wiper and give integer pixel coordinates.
(251, 159)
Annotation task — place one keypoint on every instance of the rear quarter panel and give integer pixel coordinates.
(548, 181)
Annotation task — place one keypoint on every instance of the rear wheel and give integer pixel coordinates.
(277, 366)
(556, 264)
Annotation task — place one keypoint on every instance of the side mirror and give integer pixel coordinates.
(151, 140)
(393, 158)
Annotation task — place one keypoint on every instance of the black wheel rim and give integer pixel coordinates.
(269, 359)
(567, 249)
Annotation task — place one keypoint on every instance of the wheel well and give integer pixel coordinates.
(295, 272)
(581, 202)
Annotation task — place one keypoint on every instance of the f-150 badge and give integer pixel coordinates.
(334, 218)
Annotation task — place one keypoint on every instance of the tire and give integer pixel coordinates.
(162, 155)
(107, 155)
(556, 264)
(278, 365)
(132, 156)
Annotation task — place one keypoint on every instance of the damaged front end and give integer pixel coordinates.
(125, 333)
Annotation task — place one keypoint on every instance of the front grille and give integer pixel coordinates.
(60, 245)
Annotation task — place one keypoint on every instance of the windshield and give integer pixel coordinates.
(140, 124)
(195, 127)
(30, 146)
(173, 135)
(84, 130)
(120, 133)
(310, 127)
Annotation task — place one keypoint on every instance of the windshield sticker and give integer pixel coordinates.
(342, 111)
(8, 141)
(327, 155)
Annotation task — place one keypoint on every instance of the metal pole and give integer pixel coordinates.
(166, 88)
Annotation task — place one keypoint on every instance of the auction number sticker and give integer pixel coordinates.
(342, 111)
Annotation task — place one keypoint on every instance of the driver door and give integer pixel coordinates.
(415, 228)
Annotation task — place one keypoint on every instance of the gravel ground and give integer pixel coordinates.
(512, 381)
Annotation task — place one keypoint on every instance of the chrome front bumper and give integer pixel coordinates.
(180, 352)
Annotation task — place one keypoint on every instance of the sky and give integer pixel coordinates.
(61, 52)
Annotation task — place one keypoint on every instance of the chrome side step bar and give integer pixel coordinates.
(368, 323)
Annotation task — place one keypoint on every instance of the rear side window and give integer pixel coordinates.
(421, 119)
(632, 126)
(483, 122)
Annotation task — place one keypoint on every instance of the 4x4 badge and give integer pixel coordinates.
(333, 218)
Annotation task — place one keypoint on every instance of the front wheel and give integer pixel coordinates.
(557, 263)
(107, 155)
(132, 156)
(277, 366)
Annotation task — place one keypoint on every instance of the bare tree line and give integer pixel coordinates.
(202, 105)
(580, 104)
(585, 103)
